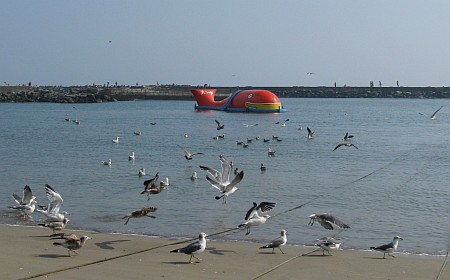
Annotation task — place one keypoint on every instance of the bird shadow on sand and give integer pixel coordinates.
(107, 244)
(52, 256)
(178, 263)
(215, 251)
(270, 253)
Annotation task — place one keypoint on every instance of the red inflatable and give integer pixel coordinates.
(255, 100)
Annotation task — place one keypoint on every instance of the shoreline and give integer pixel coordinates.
(29, 254)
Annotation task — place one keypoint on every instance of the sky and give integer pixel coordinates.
(225, 43)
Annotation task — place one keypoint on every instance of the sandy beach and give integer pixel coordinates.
(28, 253)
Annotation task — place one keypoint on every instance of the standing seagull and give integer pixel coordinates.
(140, 213)
(253, 219)
(433, 116)
(345, 145)
(194, 248)
(326, 220)
(219, 125)
(52, 210)
(328, 244)
(277, 243)
(188, 155)
(310, 133)
(388, 248)
(72, 242)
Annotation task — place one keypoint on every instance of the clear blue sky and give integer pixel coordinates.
(226, 43)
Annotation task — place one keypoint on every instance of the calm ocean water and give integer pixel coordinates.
(396, 183)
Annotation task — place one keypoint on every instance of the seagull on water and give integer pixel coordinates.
(277, 243)
(138, 133)
(108, 162)
(194, 248)
(164, 183)
(270, 152)
(140, 213)
(253, 219)
(388, 248)
(326, 220)
(132, 156)
(433, 116)
(310, 133)
(52, 210)
(141, 172)
(194, 176)
(188, 155)
(219, 125)
(328, 244)
(55, 225)
(221, 180)
(344, 145)
(27, 203)
(263, 167)
(116, 141)
(72, 242)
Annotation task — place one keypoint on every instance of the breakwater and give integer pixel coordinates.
(93, 94)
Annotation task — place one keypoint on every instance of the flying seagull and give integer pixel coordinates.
(345, 145)
(150, 185)
(72, 242)
(54, 206)
(253, 219)
(188, 155)
(282, 123)
(326, 220)
(140, 213)
(328, 244)
(219, 125)
(433, 116)
(27, 203)
(310, 133)
(348, 137)
(277, 243)
(194, 248)
(388, 248)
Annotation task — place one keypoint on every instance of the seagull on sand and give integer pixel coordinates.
(116, 141)
(55, 225)
(72, 242)
(310, 133)
(221, 180)
(188, 155)
(433, 116)
(140, 213)
(52, 210)
(328, 244)
(132, 156)
(194, 248)
(344, 145)
(253, 219)
(27, 203)
(219, 125)
(277, 243)
(388, 248)
(326, 220)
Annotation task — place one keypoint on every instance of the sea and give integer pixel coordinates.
(394, 182)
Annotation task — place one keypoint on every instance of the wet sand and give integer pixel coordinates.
(28, 253)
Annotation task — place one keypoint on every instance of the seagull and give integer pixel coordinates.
(221, 181)
(433, 116)
(137, 133)
(388, 248)
(348, 137)
(140, 213)
(153, 123)
(345, 145)
(72, 242)
(253, 219)
(188, 155)
(328, 244)
(326, 220)
(248, 125)
(116, 141)
(151, 187)
(55, 225)
(108, 163)
(194, 248)
(52, 210)
(310, 133)
(270, 153)
(141, 172)
(277, 243)
(282, 123)
(262, 167)
(194, 176)
(26, 203)
(186, 135)
(219, 125)
(164, 183)
(132, 156)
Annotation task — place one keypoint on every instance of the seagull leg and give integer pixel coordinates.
(281, 250)
(127, 221)
(196, 258)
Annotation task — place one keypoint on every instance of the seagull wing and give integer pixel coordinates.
(27, 195)
(251, 212)
(215, 183)
(335, 148)
(384, 247)
(17, 198)
(226, 169)
(235, 181)
(213, 172)
(334, 220)
(191, 248)
(434, 114)
(325, 224)
(55, 199)
(266, 206)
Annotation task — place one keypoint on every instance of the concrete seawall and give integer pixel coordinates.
(92, 94)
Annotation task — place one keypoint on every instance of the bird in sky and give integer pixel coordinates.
(252, 217)
(140, 213)
(194, 248)
(344, 145)
(310, 133)
(277, 243)
(282, 123)
(348, 137)
(433, 116)
(150, 186)
(188, 155)
(326, 220)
